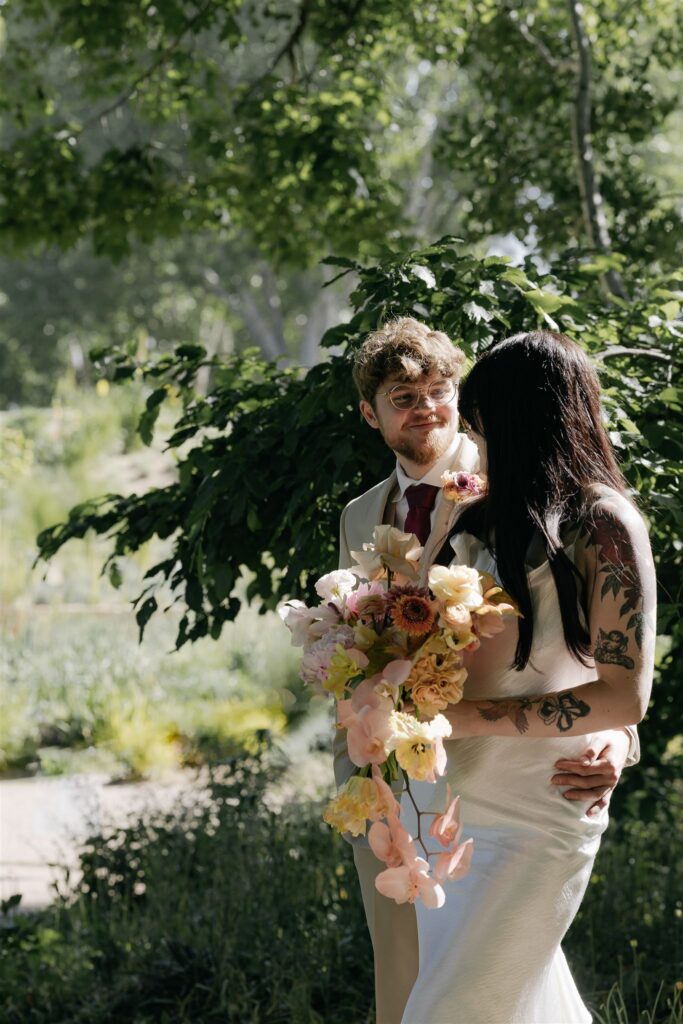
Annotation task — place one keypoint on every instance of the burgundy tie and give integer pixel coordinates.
(421, 498)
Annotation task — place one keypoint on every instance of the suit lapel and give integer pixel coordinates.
(465, 458)
(443, 518)
(384, 510)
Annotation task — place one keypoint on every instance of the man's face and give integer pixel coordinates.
(420, 435)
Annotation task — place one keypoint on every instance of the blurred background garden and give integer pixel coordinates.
(204, 206)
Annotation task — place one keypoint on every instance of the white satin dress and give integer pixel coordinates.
(492, 954)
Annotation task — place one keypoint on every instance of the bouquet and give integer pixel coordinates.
(393, 654)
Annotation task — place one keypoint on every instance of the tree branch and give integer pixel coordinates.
(540, 46)
(148, 72)
(595, 221)
(623, 350)
(286, 50)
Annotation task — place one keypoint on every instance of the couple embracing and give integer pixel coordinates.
(547, 719)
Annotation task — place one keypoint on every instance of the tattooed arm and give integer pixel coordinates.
(614, 554)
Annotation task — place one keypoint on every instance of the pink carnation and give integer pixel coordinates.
(318, 655)
(363, 591)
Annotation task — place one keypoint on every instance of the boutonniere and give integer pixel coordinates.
(460, 486)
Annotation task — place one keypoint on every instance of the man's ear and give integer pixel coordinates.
(368, 414)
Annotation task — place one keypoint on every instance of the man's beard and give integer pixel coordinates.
(430, 449)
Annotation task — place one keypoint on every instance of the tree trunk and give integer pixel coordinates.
(595, 221)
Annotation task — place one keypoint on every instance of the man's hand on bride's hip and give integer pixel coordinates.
(593, 775)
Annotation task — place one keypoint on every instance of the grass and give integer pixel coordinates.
(235, 909)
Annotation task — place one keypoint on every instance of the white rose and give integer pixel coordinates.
(457, 585)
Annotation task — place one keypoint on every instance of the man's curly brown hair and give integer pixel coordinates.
(406, 350)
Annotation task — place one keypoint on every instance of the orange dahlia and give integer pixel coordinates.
(412, 610)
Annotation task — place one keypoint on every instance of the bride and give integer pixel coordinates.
(559, 532)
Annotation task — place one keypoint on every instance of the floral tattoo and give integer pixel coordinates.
(558, 709)
(620, 577)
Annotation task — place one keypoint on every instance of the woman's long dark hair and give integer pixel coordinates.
(536, 400)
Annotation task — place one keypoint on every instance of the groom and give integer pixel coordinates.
(407, 377)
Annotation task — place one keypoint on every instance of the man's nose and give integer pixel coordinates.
(424, 398)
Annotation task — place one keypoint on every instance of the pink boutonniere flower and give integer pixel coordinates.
(460, 486)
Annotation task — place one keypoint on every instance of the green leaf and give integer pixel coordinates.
(673, 397)
(516, 276)
(115, 577)
(545, 302)
(194, 594)
(145, 612)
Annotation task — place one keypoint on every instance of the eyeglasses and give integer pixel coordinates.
(407, 396)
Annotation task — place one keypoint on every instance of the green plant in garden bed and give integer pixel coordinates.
(81, 694)
(227, 910)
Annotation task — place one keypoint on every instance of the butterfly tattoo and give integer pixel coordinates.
(561, 710)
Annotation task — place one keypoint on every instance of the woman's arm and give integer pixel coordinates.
(614, 554)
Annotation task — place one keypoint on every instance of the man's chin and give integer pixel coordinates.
(430, 450)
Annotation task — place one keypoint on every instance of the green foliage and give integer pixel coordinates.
(71, 704)
(231, 909)
(296, 123)
(193, 143)
(224, 910)
(519, 71)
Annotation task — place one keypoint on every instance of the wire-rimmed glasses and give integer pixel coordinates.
(407, 396)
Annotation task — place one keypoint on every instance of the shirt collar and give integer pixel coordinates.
(434, 475)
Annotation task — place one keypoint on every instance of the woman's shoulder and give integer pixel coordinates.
(606, 505)
(611, 525)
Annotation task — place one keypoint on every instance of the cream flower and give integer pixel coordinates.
(487, 620)
(457, 619)
(457, 585)
(350, 809)
(390, 549)
(307, 624)
(418, 745)
(335, 586)
(345, 664)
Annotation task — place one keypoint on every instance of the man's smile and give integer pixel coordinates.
(424, 424)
